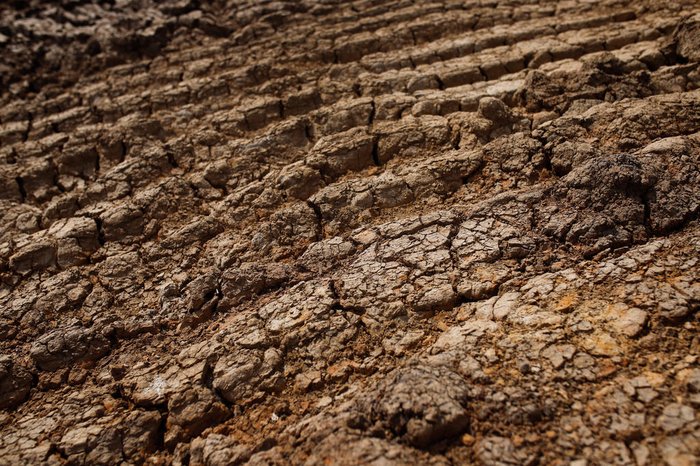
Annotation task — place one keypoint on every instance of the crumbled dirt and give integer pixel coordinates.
(363, 232)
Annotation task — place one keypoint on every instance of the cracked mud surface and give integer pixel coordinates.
(362, 232)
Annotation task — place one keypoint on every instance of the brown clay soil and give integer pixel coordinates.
(360, 232)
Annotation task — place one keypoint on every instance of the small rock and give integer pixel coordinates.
(675, 416)
(629, 321)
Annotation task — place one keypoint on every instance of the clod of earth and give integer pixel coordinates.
(363, 232)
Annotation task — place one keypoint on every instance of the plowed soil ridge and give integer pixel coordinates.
(358, 232)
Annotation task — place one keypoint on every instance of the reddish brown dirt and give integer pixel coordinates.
(362, 232)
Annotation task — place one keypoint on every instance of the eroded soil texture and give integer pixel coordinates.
(361, 232)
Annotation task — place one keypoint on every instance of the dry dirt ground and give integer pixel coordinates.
(360, 232)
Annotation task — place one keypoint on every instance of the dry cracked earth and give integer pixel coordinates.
(360, 232)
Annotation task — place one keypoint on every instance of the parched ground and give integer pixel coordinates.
(362, 232)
